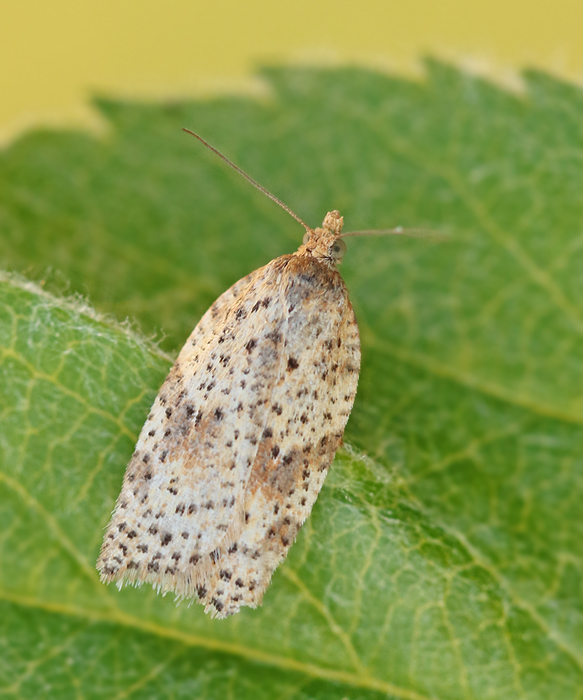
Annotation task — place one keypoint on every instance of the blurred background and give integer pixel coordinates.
(53, 55)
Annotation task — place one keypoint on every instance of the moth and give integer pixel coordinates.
(242, 433)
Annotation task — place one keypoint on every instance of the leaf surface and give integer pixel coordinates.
(444, 556)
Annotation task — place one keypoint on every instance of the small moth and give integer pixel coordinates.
(241, 435)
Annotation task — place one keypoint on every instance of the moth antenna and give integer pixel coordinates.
(423, 233)
(250, 179)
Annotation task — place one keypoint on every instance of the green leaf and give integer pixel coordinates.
(444, 558)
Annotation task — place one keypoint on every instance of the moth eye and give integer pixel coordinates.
(338, 249)
(306, 238)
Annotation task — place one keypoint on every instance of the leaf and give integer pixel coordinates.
(444, 556)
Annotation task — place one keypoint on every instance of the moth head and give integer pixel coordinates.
(325, 243)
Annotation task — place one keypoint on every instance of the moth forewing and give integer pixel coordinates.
(308, 410)
(241, 435)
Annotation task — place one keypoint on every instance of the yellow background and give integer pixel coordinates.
(53, 54)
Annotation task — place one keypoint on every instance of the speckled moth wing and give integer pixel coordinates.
(241, 435)
(309, 407)
(217, 311)
(183, 490)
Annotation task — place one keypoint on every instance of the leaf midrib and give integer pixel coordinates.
(287, 664)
